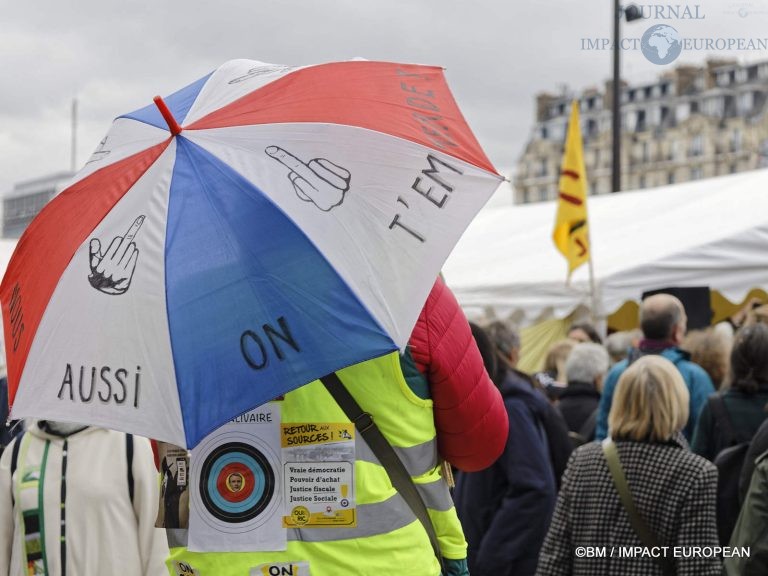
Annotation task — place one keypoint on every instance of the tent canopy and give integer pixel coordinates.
(710, 232)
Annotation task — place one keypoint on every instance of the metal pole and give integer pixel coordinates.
(616, 104)
(73, 162)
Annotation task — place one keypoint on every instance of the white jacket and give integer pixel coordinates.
(104, 533)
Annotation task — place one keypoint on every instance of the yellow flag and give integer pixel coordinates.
(571, 233)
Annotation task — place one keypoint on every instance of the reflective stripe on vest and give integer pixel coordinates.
(418, 459)
(372, 519)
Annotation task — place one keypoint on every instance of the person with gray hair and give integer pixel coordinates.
(585, 369)
(507, 342)
(619, 344)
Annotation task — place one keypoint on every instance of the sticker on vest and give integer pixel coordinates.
(319, 464)
(236, 479)
(173, 511)
(184, 569)
(282, 569)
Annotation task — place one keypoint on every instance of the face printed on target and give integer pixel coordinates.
(235, 482)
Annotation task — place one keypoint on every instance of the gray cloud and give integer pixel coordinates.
(116, 56)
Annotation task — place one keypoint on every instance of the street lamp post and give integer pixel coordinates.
(631, 13)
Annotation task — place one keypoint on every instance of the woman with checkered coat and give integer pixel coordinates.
(673, 489)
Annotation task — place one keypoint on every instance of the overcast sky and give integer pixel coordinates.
(115, 56)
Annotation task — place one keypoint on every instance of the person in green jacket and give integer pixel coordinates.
(752, 528)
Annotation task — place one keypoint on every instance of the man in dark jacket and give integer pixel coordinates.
(505, 509)
(508, 347)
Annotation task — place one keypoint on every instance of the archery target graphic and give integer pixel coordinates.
(237, 482)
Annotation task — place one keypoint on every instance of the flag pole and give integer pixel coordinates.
(592, 289)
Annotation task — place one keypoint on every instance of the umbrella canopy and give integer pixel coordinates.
(252, 232)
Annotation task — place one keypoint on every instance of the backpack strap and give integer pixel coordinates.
(15, 453)
(15, 460)
(129, 458)
(723, 419)
(642, 530)
(587, 429)
(398, 475)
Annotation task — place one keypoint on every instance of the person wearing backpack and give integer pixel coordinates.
(729, 420)
(757, 447)
(79, 501)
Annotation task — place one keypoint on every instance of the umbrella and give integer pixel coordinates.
(254, 231)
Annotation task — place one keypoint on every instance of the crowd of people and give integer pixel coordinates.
(649, 440)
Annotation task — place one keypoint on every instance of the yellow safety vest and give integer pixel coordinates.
(388, 539)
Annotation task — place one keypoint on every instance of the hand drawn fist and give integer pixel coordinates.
(112, 271)
(319, 181)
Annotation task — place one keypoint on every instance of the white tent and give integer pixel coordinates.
(710, 232)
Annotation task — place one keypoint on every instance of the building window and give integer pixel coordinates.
(697, 145)
(696, 173)
(640, 124)
(542, 193)
(641, 182)
(542, 168)
(746, 103)
(526, 195)
(736, 140)
(671, 178)
(591, 127)
(694, 107)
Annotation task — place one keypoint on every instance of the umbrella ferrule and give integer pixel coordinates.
(173, 126)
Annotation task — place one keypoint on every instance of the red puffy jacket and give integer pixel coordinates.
(470, 417)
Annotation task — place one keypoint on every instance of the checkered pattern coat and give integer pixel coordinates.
(674, 491)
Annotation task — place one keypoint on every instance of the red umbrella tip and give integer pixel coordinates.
(173, 126)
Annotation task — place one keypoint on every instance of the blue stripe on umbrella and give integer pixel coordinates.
(179, 103)
(254, 309)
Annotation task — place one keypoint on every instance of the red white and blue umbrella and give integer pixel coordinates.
(252, 232)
